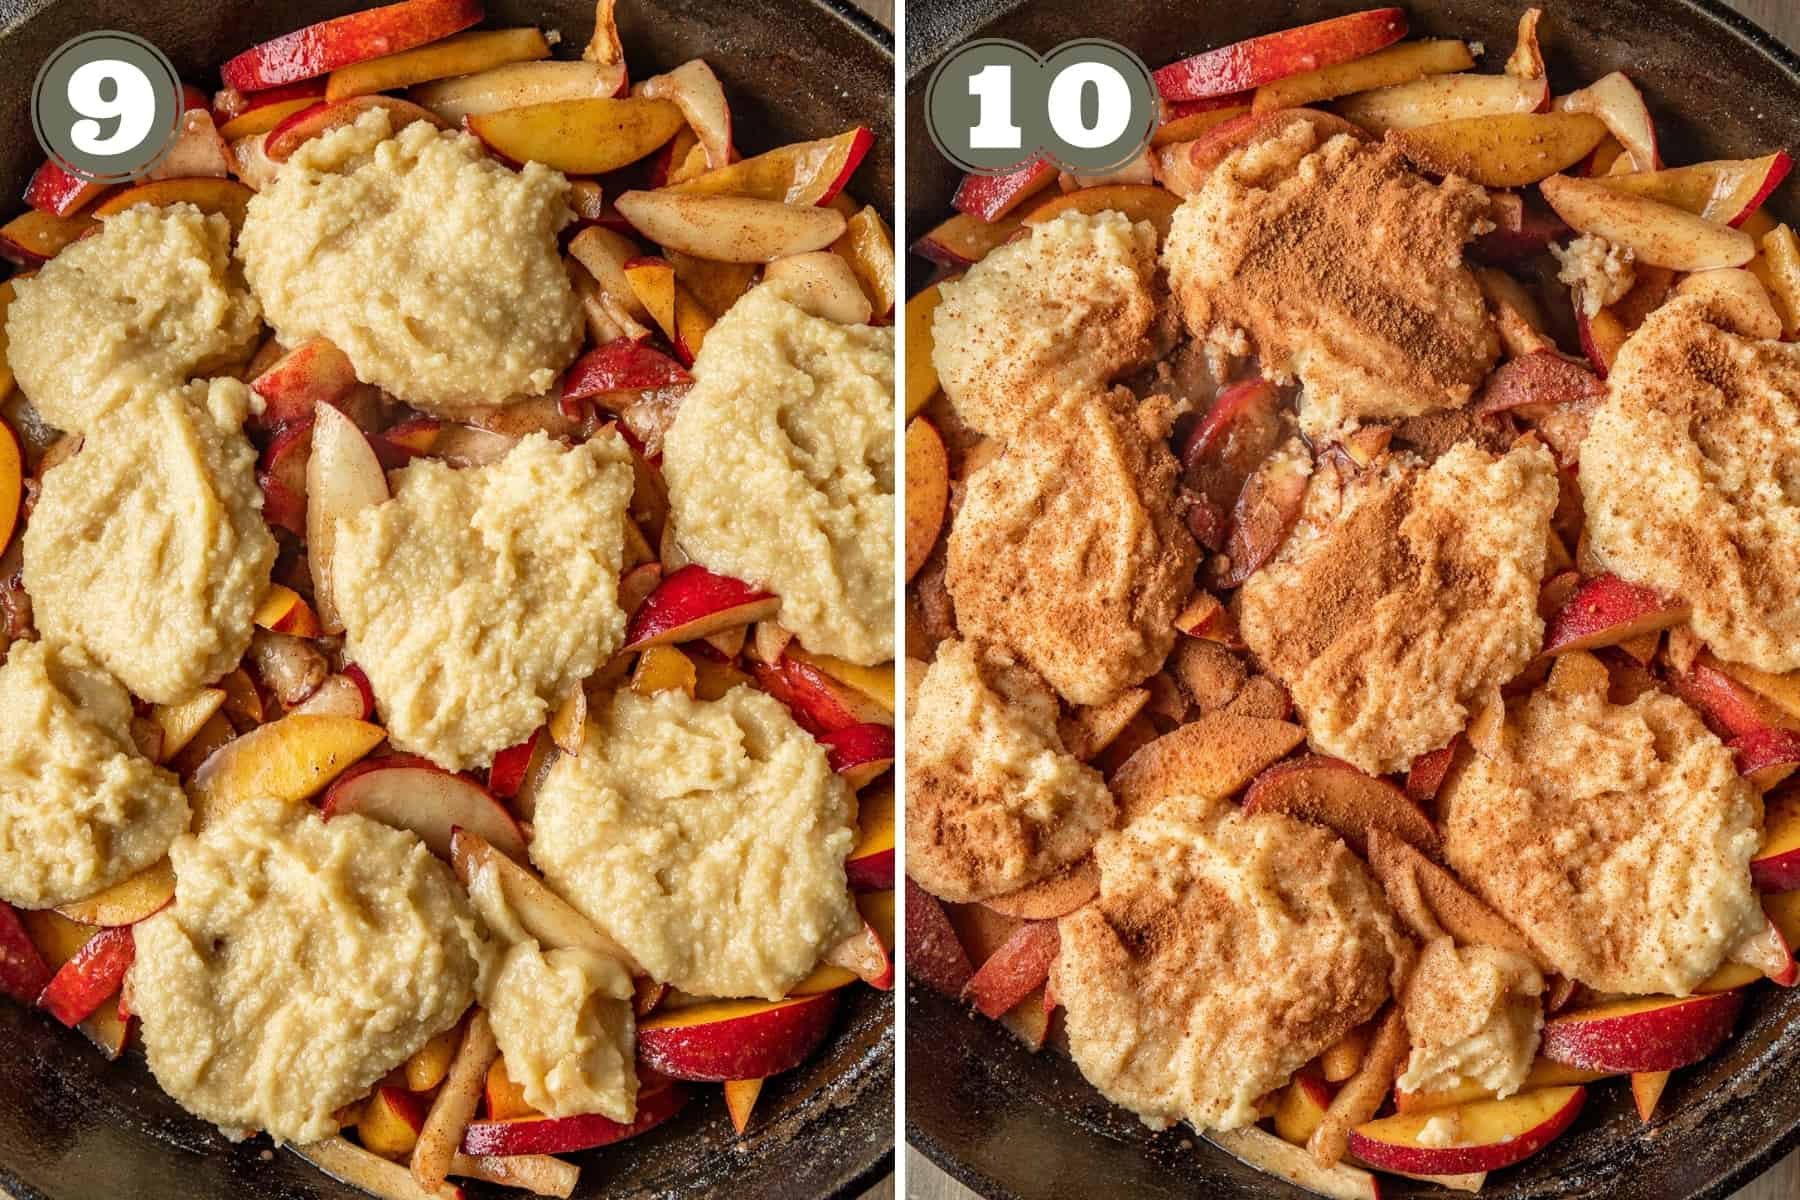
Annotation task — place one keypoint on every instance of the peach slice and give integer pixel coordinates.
(1271, 1155)
(281, 474)
(604, 45)
(1057, 896)
(1015, 970)
(877, 683)
(1776, 867)
(1362, 1094)
(283, 611)
(718, 285)
(1728, 190)
(692, 602)
(351, 1164)
(730, 228)
(540, 1174)
(56, 190)
(1208, 759)
(127, 902)
(1301, 1109)
(663, 669)
(821, 283)
(1766, 757)
(343, 477)
(1137, 201)
(868, 246)
(12, 468)
(1737, 299)
(1658, 234)
(1429, 898)
(1384, 68)
(1768, 953)
(1441, 98)
(1646, 1089)
(227, 197)
(1185, 165)
(409, 792)
(565, 1135)
(344, 695)
(265, 117)
(1616, 100)
(1646, 1033)
(865, 956)
(927, 491)
(1426, 775)
(859, 753)
(291, 759)
(329, 45)
(1606, 611)
(90, 977)
(455, 1104)
(1728, 706)
(1504, 150)
(199, 151)
(695, 90)
(935, 956)
(1781, 691)
(1488, 1134)
(734, 1039)
(1241, 429)
(1543, 1074)
(869, 866)
(963, 240)
(33, 238)
(623, 365)
(1265, 512)
(653, 282)
(58, 940)
(920, 374)
(312, 373)
(990, 197)
(1257, 61)
(428, 1065)
(320, 119)
(545, 915)
(798, 173)
(819, 702)
(504, 1097)
(23, 972)
(520, 85)
(390, 1122)
(740, 1099)
(1336, 795)
(1534, 384)
(1188, 120)
(579, 137)
(463, 54)
(1207, 617)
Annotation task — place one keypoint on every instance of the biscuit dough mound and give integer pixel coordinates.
(80, 808)
(561, 1016)
(432, 266)
(302, 960)
(1403, 594)
(147, 303)
(475, 598)
(1617, 838)
(1064, 311)
(148, 548)
(1338, 266)
(708, 837)
(993, 800)
(780, 466)
(1688, 474)
(1068, 552)
(1226, 949)
(1472, 1015)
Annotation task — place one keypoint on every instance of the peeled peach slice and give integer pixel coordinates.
(734, 1039)
(1506, 150)
(463, 54)
(823, 284)
(343, 477)
(291, 759)
(1488, 1134)
(1658, 234)
(1429, 898)
(565, 1135)
(1736, 299)
(1384, 68)
(545, 915)
(730, 228)
(1616, 100)
(579, 137)
(349, 1163)
(328, 45)
(519, 85)
(128, 901)
(798, 173)
(695, 90)
(1647, 1033)
(226, 197)
(409, 792)
(428, 1065)
(991, 197)
(1257, 61)
(1271, 1155)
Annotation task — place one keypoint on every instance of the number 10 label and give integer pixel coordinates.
(1089, 106)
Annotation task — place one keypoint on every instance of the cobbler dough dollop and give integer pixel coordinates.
(1063, 311)
(80, 808)
(148, 548)
(1345, 270)
(433, 266)
(1225, 951)
(707, 837)
(1688, 470)
(1403, 594)
(780, 466)
(993, 800)
(475, 598)
(1068, 552)
(562, 1016)
(149, 302)
(1472, 1015)
(1617, 838)
(302, 960)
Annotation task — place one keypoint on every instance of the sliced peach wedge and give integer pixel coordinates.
(579, 137)
(462, 54)
(1606, 611)
(990, 198)
(537, 1135)
(734, 1039)
(291, 759)
(1443, 97)
(412, 793)
(1616, 101)
(1776, 867)
(54, 189)
(723, 228)
(23, 972)
(1503, 150)
(1647, 1033)
(1543, 1074)
(1727, 190)
(870, 864)
(1486, 1134)
(1336, 795)
(1138, 201)
(1270, 1154)
(329, 45)
(1212, 757)
(962, 240)
(518, 85)
(343, 477)
(227, 197)
(1258, 61)
(12, 463)
(58, 941)
(127, 902)
(1397, 64)
(1658, 234)
(692, 602)
(798, 173)
(90, 977)
(320, 119)
(33, 238)
(822, 283)
(549, 918)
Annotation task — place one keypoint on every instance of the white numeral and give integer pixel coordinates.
(1112, 107)
(133, 106)
(992, 88)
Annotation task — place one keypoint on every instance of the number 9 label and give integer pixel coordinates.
(1090, 106)
(107, 106)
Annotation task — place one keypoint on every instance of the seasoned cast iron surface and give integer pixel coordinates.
(73, 1127)
(1011, 1125)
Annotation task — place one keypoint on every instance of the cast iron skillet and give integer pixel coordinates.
(75, 1128)
(1011, 1125)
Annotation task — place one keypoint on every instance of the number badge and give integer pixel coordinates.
(107, 106)
(1090, 106)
